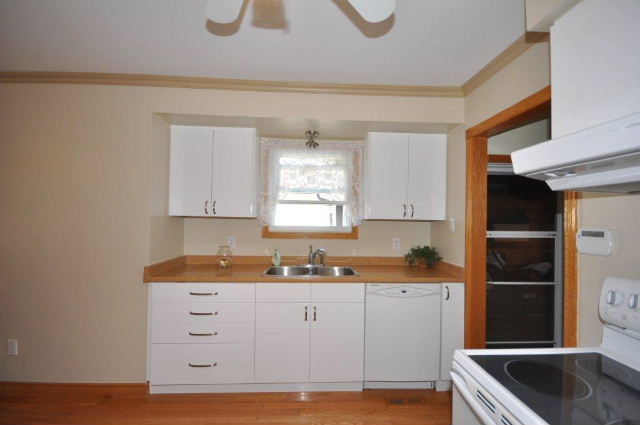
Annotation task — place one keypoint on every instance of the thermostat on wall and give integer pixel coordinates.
(594, 241)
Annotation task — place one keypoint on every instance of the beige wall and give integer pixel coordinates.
(81, 185)
(521, 137)
(203, 235)
(166, 235)
(524, 76)
(620, 214)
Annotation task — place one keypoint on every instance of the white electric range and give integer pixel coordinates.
(581, 386)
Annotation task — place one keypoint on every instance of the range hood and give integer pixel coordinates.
(603, 158)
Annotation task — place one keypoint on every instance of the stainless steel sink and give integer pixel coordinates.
(309, 271)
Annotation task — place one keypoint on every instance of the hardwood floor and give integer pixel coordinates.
(100, 404)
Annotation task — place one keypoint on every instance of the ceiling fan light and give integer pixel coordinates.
(223, 11)
(374, 10)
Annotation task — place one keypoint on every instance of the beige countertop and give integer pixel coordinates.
(250, 269)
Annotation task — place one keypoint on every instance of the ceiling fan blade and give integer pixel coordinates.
(374, 10)
(223, 11)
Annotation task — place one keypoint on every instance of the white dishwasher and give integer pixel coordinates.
(402, 335)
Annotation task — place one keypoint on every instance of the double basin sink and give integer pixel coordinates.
(309, 271)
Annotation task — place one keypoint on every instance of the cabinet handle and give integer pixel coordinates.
(213, 207)
(209, 313)
(448, 293)
(412, 210)
(306, 313)
(404, 210)
(205, 207)
(315, 314)
(203, 364)
(202, 293)
(203, 333)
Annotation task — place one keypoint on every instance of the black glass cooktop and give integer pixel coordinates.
(579, 389)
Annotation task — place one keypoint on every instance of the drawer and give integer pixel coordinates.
(175, 364)
(283, 292)
(203, 312)
(202, 292)
(337, 292)
(199, 333)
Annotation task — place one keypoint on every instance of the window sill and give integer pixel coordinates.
(267, 233)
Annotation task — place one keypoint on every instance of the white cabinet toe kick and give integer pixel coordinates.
(280, 337)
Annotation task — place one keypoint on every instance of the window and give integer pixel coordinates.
(310, 190)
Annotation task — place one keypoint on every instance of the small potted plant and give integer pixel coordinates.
(422, 255)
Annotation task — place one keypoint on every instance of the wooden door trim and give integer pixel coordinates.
(524, 112)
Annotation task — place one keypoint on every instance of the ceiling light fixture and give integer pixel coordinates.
(311, 135)
(227, 11)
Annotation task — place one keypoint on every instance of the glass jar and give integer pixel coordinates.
(224, 257)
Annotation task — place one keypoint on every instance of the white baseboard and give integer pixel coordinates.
(257, 388)
(443, 386)
(414, 385)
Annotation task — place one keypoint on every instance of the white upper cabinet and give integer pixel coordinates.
(213, 172)
(190, 187)
(406, 176)
(595, 65)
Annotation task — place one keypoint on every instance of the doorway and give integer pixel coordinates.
(524, 248)
(529, 110)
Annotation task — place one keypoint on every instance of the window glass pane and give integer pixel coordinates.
(311, 215)
(520, 312)
(520, 259)
(520, 203)
(321, 178)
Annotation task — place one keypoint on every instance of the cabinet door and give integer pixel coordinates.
(452, 337)
(282, 342)
(427, 182)
(234, 172)
(387, 176)
(190, 176)
(337, 342)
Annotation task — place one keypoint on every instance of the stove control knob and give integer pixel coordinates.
(613, 298)
(632, 302)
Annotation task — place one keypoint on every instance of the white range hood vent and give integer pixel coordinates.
(603, 158)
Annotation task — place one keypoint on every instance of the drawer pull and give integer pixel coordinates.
(208, 313)
(203, 364)
(203, 333)
(202, 293)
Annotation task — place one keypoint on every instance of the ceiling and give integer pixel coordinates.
(425, 42)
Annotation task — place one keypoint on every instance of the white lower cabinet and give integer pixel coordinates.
(179, 364)
(337, 342)
(309, 339)
(235, 337)
(282, 342)
(200, 334)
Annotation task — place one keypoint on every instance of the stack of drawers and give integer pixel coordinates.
(202, 333)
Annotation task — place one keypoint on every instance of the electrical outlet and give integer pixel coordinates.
(395, 243)
(452, 224)
(12, 347)
(231, 241)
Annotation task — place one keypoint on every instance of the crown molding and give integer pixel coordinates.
(508, 55)
(228, 84)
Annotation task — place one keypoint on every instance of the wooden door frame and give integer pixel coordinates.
(529, 110)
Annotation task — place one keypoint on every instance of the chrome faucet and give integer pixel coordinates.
(313, 254)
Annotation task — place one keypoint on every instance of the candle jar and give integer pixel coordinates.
(224, 257)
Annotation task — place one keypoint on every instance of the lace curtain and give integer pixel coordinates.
(292, 173)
